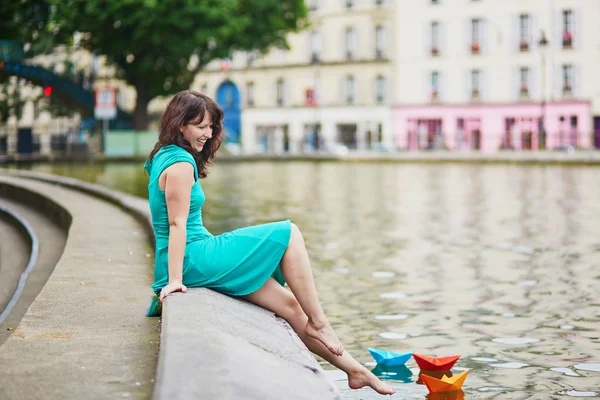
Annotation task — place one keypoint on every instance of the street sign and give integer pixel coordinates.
(105, 103)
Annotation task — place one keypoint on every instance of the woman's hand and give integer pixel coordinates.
(170, 288)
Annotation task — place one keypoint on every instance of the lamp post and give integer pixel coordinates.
(542, 128)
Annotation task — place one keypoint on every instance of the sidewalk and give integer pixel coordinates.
(581, 157)
(86, 335)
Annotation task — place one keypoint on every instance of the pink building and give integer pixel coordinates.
(493, 127)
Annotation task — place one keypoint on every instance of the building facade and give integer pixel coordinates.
(329, 91)
(491, 75)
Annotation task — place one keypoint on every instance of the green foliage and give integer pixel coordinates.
(160, 45)
(27, 22)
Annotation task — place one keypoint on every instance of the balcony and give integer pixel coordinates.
(435, 51)
(524, 92)
(434, 96)
(380, 54)
(524, 46)
(567, 89)
(315, 58)
(349, 55)
(475, 48)
(567, 40)
(475, 94)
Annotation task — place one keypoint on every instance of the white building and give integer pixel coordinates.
(332, 87)
(473, 74)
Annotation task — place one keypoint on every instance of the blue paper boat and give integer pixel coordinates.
(388, 358)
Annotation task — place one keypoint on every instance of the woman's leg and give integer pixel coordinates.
(282, 302)
(296, 269)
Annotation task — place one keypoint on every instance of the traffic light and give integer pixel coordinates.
(47, 91)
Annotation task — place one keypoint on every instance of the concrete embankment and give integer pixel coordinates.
(86, 335)
(562, 157)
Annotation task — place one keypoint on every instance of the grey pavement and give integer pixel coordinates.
(86, 334)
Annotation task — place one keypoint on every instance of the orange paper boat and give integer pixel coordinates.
(435, 363)
(445, 384)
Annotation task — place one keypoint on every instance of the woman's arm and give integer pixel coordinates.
(179, 179)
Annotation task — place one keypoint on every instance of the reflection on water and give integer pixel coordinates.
(477, 260)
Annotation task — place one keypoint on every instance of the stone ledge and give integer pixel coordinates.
(22, 226)
(215, 346)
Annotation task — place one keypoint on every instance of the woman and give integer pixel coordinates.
(252, 263)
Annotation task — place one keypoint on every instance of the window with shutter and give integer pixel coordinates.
(476, 35)
(567, 29)
(435, 38)
(524, 32)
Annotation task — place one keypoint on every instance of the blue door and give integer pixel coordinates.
(228, 98)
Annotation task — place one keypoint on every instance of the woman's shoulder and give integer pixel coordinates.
(170, 154)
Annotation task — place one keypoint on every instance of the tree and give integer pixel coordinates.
(159, 46)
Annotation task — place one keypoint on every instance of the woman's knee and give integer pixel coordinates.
(296, 236)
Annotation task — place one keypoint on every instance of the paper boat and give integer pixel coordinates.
(445, 384)
(388, 358)
(455, 395)
(435, 374)
(435, 363)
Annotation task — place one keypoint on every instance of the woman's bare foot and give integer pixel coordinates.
(364, 377)
(325, 334)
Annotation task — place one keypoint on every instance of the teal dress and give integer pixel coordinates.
(236, 263)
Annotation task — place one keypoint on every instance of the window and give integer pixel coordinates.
(435, 32)
(349, 3)
(280, 91)
(475, 84)
(350, 89)
(379, 42)
(350, 43)
(567, 78)
(475, 35)
(380, 88)
(435, 81)
(315, 42)
(524, 28)
(524, 82)
(250, 93)
(567, 29)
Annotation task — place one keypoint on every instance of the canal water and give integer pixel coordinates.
(498, 263)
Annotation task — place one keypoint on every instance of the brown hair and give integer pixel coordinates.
(188, 106)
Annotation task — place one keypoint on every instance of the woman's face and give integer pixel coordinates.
(197, 133)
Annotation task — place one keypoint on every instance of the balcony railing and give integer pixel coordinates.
(524, 45)
(567, 89)
(567, 40)
(475, 48)
(524, 92)
(435, 51)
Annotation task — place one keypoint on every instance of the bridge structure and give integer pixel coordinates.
(14, 63)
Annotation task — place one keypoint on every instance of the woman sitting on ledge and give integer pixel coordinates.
(253, 263)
